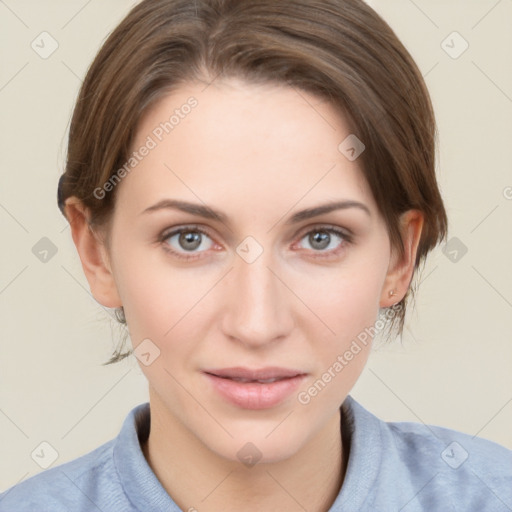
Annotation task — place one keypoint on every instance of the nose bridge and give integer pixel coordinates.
(258, 312)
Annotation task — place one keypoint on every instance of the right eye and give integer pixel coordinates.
(185, 240)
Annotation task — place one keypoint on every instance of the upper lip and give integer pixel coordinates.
(271, 372)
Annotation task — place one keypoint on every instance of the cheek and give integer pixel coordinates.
(157, 300)
(163, 303)
(346, 303)
(346, 299)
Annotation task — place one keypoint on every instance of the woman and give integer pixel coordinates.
(251, 184)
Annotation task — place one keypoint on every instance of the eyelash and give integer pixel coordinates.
(346, 239)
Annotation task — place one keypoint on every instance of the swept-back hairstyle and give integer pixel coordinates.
(340, 50)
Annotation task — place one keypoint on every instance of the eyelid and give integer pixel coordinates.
(166, 233)
(347, 233)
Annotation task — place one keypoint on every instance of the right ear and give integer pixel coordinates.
(93, 255)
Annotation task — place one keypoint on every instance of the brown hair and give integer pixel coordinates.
(340, 50)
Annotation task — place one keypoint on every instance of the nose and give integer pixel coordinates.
(258, 303)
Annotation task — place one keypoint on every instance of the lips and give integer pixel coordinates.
(254, 389)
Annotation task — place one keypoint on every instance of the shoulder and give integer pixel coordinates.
(413, 466)
(473, 473)
(97, 480)
(74, 485)
(456, 448)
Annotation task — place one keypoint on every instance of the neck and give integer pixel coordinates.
(198, 478)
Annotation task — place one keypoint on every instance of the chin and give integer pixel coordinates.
(256, 446)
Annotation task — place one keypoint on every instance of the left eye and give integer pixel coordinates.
(324, 239)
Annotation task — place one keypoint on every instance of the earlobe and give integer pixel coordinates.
(401, 269)
(93, 255)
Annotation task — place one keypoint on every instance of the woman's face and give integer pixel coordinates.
(260, 286)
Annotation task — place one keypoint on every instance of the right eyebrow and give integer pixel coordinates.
(184, 206)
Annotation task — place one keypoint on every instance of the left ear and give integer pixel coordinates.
(401, 269)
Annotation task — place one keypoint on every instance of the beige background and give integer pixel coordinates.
(454, 368)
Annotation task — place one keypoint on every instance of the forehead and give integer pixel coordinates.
(234, 139)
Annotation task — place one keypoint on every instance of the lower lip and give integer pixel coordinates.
(253, 395)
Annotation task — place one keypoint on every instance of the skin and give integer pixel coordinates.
(259, 154)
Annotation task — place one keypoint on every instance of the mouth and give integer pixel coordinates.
(264, 375)
(255, 389)
(261, 381)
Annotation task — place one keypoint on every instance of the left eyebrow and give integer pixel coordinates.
(326, 208)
